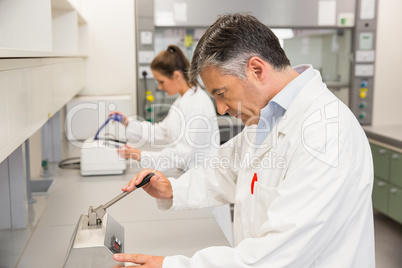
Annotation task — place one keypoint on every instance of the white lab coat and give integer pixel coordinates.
(311, 203)
(185, 136)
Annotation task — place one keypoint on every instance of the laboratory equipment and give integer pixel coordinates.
(336, 37)
(149, 99)
(99, 155)
(98, 236)
(115, 117)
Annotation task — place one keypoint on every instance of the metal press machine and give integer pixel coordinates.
(98, 236)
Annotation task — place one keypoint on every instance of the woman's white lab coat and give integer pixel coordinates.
(187, 134)
(303, 199)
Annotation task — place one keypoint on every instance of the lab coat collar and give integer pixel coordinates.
(291, 118)
(277, 106)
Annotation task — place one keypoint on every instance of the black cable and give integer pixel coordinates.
(66, 164)
(115, 140)
(144, 75)
(110, 135)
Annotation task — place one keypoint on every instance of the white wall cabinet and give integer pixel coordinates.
(32, 93)
(42, 67)
(26, 24)
(40, 28)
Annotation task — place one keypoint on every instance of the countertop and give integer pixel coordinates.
(148, 230)
(390, 135)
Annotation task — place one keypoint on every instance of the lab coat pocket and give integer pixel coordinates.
(260, 203)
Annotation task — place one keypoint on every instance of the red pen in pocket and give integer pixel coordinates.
(252, 183)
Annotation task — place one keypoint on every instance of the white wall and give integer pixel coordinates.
(388, 72)
(110, 66)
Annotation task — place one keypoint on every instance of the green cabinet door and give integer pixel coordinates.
(381, 159)
(380, 195)
(396, 169)
(395, 204)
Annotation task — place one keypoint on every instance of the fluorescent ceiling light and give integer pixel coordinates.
(283, 33)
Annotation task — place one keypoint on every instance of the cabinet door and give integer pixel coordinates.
(380, 195)
(381, 158)
(396, 169)
(395, 204)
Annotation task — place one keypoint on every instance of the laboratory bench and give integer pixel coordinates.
(386, 147)
(148, 230)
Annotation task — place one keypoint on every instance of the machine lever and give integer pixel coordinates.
(101, 210)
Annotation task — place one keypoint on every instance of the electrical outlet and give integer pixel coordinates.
(146, 69)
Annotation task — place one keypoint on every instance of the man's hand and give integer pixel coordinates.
(127, 152)
(158, 187)
(145, 261)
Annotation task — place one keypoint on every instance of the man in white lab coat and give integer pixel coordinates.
(300, 173)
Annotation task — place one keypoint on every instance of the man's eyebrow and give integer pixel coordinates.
(213, 92)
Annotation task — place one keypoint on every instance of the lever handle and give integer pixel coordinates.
(95, 215)
(120, 196)
(145, 180)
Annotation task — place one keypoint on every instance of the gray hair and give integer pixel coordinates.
(231, 41)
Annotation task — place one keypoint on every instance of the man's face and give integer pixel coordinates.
(239, 98)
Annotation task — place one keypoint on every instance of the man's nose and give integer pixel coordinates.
(221, 107)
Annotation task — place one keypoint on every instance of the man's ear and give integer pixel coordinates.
(258, 69)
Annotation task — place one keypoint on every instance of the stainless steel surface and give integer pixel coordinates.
(92, 246)
(362, 107)
(117, 198)
(391, 135)
(199, 14)
(284, 13)
(144, 14)
(98, 236)
(192, 16)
